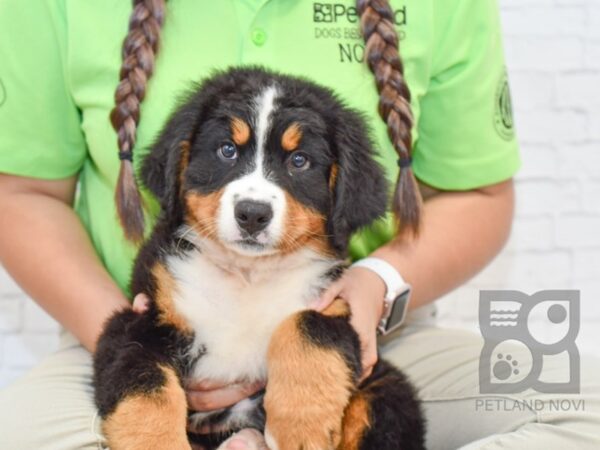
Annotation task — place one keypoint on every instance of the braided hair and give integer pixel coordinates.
(139, 52)
(383, 58)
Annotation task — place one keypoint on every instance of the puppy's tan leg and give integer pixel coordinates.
(357, 422)
(150, 421)
(313, 365)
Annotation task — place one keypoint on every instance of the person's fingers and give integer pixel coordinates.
(205, 385)
(368, 362)
(366, 374)
(327, 297)
(221, 398)
(141, 303)
(369, 356)
(213, 400)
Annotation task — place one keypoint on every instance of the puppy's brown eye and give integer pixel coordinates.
(227, 152)
(299, 161)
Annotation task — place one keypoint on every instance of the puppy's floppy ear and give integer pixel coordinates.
(360, 189)
(163, 168)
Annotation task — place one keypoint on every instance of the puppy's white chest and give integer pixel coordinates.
(233, 318)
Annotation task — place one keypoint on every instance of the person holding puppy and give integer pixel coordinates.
(57, 158)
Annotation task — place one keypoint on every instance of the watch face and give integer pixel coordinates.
(398, 310)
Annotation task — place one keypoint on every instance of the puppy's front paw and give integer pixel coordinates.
(150, 421)
(310, 383)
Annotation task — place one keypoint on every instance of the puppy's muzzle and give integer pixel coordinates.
(252, 216)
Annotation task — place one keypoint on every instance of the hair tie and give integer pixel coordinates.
(404, 163)
(126, 156)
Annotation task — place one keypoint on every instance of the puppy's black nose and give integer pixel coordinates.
(252, 216)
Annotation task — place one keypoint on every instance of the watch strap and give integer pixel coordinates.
(391, 278)
(395, 286)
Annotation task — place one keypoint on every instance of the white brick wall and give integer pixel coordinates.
(553, 53)
(553, 56)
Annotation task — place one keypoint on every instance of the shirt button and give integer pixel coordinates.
(259, 37)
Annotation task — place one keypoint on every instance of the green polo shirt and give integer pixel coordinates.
(60, 59)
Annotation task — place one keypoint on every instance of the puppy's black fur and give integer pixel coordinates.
(344, 186)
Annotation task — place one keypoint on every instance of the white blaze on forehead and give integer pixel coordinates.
(255, 185)
(265, 106)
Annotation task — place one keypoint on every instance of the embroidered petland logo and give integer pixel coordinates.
(524, 333)
(503, 111)
(337, 25)
(340, 12)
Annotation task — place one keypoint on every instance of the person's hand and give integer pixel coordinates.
(203, 396)
(364, 291)
(141, 303)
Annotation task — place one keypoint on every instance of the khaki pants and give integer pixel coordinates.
(52, 406)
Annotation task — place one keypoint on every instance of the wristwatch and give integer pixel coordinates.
(397, 293)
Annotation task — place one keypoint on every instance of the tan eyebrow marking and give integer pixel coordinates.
(333, 177)
(240, 131)
(291, 137)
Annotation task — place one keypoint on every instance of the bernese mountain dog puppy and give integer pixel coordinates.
(262, 179)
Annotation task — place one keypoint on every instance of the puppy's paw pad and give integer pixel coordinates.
(247, 439)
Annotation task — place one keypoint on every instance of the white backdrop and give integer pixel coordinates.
(553, 55)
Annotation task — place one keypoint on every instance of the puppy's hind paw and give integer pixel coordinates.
(247, 439)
